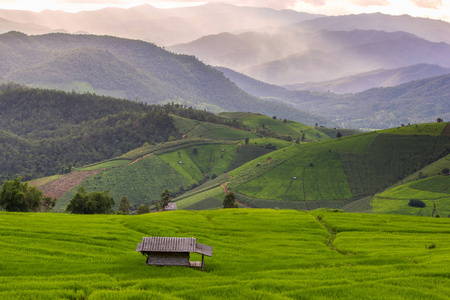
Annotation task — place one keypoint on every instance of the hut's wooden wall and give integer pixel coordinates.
(168, 258)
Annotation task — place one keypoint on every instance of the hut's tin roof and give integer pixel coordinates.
(172, 244)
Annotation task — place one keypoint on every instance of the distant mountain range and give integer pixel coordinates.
(378, 78)
(148, 23)
(429, 29)
(129, 69)
(417, 101)
(318, 56)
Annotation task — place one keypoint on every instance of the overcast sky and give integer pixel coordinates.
(435, 9)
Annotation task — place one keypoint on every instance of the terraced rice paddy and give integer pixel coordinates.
(338, 170)
(258, 254)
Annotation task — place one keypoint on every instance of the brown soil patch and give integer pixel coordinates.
(60, 186)
(136, 160)
(446, 130)
(224, 186)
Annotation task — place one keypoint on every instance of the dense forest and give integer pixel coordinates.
(45, 131)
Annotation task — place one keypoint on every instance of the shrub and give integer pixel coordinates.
(416, 203)
(143, 209)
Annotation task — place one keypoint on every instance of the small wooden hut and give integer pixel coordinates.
(172, 251)
(170, 206)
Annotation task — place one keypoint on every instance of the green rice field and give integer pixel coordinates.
(257, 254)
(339, 170)
(433, 191)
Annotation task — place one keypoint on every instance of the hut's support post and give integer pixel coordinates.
(203, 261)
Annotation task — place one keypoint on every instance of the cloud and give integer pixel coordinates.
(365, 3)
(433, 4)
(105, 2)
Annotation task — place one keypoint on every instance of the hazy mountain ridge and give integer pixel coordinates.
(432, 30)
(378, 78)
(127, 68)
(314, 56)
(161, 26)
(418, 101)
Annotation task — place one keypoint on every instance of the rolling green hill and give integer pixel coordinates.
(336, 172)
(264, 254)
(144, 173)
(428, 184)
(291, 129)
(125, 68)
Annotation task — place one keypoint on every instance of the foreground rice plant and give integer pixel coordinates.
(258, 254)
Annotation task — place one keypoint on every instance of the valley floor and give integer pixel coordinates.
(257, 254)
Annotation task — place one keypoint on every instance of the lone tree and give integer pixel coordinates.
(91, 203)
(18, 196)
(339, 135)
(246, 141)
(165, 198)
(440, 120)
(124, 206)
(228, 201)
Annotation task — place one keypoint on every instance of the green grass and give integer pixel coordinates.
(263, 142)
(290, 128)
(257, 254)
(433, 191)
(44, 180)
(419, 129)
(141, 182)
(340, 170)
(192, 201)
(332, 132)
(432, 169)
(210, 159)
(217, 131)
(106, 165)
(184, 125)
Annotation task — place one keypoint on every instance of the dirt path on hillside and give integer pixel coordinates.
(225, 188)
(185, 135)
(60, 186)
(138, 159)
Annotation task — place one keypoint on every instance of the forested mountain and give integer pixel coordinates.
(270, 91)
(160, 26)
(129, 69)
(377, 78)
(41, 131)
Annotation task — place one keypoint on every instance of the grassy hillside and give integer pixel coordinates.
(264, 254)
(337, 171)
(283, 129)
(177, 166)
(433, 191)
(428, 184)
